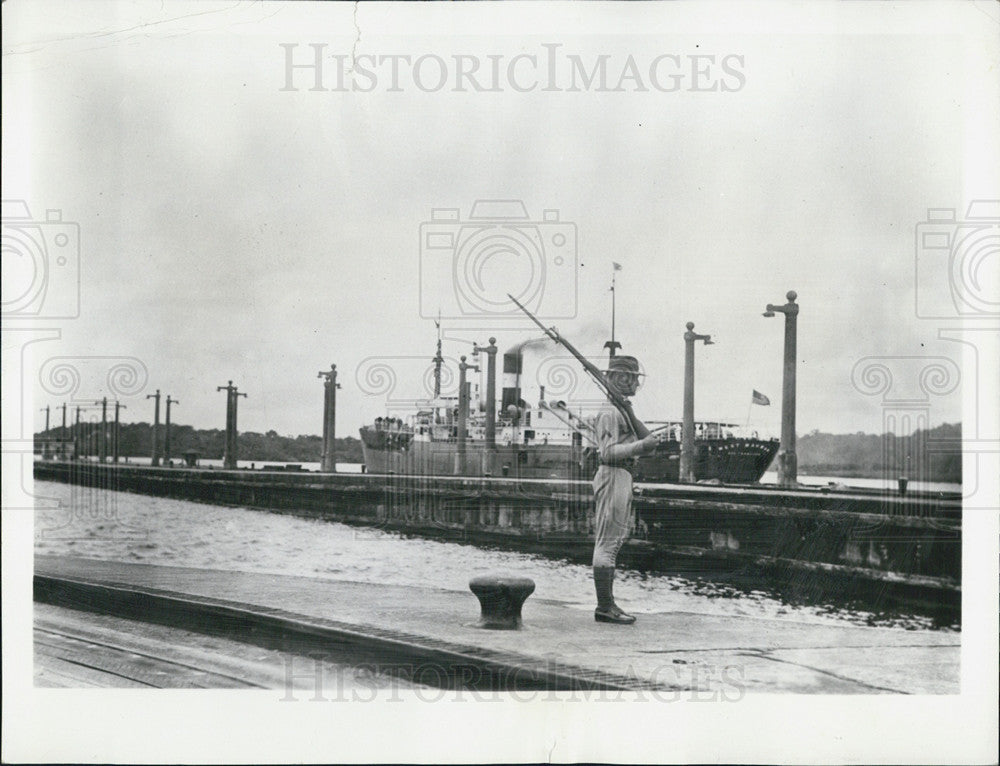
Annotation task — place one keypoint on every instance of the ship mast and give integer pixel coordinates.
(612, 344)
(438, 361)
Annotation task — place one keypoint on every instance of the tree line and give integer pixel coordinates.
(933, 454)
(929, 455)
(136, 440)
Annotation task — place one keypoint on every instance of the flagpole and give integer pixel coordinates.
(612, 304)
(749, 410)
(612, 344)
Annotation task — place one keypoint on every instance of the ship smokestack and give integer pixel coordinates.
(512, 368)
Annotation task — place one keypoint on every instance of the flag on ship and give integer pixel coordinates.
(616, 266)
(759, 398)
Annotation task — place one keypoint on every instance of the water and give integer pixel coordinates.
(771, 477)
(119, 526)
(251, 464)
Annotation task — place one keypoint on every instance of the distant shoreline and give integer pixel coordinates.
(855, 473)
(926, 455)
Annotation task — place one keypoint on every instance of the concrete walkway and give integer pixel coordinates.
(700, 656)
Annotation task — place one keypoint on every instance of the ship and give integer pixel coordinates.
(472, 434)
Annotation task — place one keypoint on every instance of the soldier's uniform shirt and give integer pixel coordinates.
(612, 486)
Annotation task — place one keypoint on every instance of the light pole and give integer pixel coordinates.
(328, 461)
(463, 411)
(491, 394)
(156, 428)
(62, 434)
(102, 445)
(787, 462)
(687, 468)
(117, 432)
(45, 439)
(232, 397)
(491, 403)
(166, 436)
(77, 443)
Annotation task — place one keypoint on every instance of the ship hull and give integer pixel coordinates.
(730, 461)
(537, 461)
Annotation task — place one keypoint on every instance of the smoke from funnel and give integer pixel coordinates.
(512, 368)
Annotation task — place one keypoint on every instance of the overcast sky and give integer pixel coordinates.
(233, 228)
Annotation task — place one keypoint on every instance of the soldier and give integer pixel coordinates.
(617, 445)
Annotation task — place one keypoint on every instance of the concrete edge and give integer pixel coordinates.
(455, 666)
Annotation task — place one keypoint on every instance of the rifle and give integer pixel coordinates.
(623, 405)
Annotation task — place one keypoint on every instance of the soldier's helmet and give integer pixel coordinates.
(624, 364)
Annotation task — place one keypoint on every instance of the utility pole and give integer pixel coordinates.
(166, 437)
(688, 456)
(156, 428)
(232, 395)
(787, 461)
(463, 412)
(328, 461)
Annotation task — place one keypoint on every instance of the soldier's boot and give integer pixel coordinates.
(607, 610)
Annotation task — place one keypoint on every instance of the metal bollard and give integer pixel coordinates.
(501, 598)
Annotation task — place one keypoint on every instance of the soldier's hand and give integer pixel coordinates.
(649, 444)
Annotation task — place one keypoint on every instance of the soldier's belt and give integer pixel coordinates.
(628, 464)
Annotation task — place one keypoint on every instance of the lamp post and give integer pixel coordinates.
(62, 434)
(463, 412)
(166, 435)
(328, 461)
(77, 443)
(232, 397)
(491, 404)
(687, 468)
(45, 439)
(102, 444)
(115, 436)
(787, 461)
(155, 458)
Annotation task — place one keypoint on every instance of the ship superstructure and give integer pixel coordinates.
(465, 435)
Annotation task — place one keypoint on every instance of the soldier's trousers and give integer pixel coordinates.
(613, 517)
